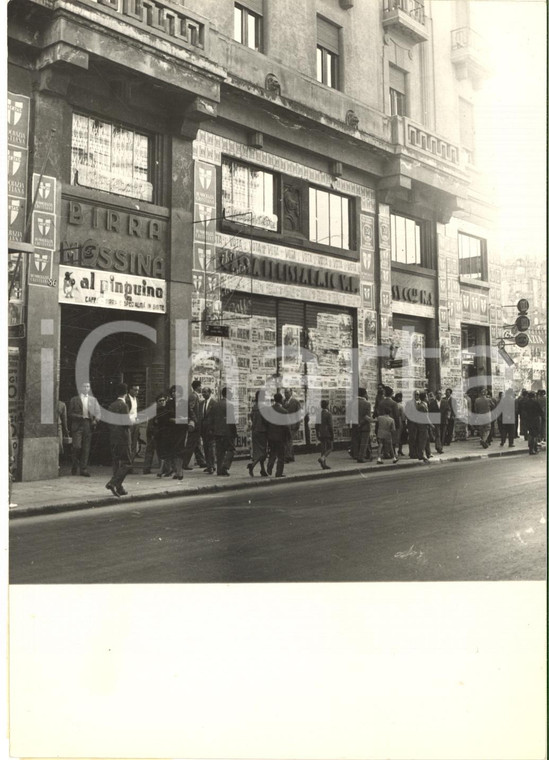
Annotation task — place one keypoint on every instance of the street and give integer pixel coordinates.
(466, 521)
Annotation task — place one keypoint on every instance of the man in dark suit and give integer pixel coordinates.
(84, 414)
(207, 406)
(292, 406)
(278, 435)
(224, 426)
(120, 440)
(365, 419)
(192, 445)
(447, 418)
(433, 405)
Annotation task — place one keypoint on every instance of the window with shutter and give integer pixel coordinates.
(327, 53)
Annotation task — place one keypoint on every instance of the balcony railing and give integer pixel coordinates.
(470, 55)
(158, 17)
(408, 18)
(411, 135)
(413, 8)
(468, 38)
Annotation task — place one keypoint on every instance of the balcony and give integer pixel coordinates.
(407, 17)
(469, 56)
(409, 135)
(160, 18)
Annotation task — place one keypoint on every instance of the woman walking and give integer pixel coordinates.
(259, 438)
(325, 434)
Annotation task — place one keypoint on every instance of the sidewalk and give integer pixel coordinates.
(68, 492)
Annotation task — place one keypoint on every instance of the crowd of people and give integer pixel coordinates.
(203, 427)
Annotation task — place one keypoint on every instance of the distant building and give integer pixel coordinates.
(278, 173)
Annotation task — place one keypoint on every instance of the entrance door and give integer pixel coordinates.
(120, 357)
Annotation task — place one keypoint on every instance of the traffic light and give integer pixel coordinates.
(522, 323)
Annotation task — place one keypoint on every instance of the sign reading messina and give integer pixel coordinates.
(88, 287)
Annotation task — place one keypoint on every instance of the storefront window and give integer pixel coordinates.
(110, 157)
(472, 256)
(248, 195)
(406, 240)
(328, 218)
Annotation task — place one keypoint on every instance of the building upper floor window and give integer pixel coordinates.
(248, 22)
(397, 91)
(327, 53)
(110, 157)
(472, 257)
(248, 195)
(328, 218)
(407, 244)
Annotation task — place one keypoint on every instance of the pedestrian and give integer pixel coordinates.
(387, 405)
(292, 406)
(402, 430)
(325, 434)
(542, 401)
(192, 444)
(131, 403)
(410, 408)
(447, 418)
(224, 425)
(176, 429)
(84, 414)
(120, 441)
(380, 395)
(522, 428)
(62, 427)
(385, 434)
(483, 406)
(258, 428)
(278, 433)
(164, 435)
(493, 404)
(152, 435)
(207, 406)
(422, 426)
(433, 404)
(531, 419)
(365, 420)
(507, 418)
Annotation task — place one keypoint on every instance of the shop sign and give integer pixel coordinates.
(92, 254)
(89, 287)
(412, 289)
(118, 222)
(280, 271)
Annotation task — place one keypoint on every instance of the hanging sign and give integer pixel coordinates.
(88, 287)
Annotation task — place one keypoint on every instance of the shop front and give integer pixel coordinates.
(112, 295)
(278, 334)
(414, 364)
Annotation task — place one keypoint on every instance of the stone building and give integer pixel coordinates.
(285, 191)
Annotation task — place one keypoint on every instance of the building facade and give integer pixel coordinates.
(284, 192)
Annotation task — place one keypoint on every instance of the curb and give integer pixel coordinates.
(108, 501)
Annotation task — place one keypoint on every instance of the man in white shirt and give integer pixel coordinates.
(83, 414)
(131, 403)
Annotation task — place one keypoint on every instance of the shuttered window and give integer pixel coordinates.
(327, 53)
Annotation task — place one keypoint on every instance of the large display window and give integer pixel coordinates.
(277, 344)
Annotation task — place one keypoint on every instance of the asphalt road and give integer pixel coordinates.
(465, 521)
